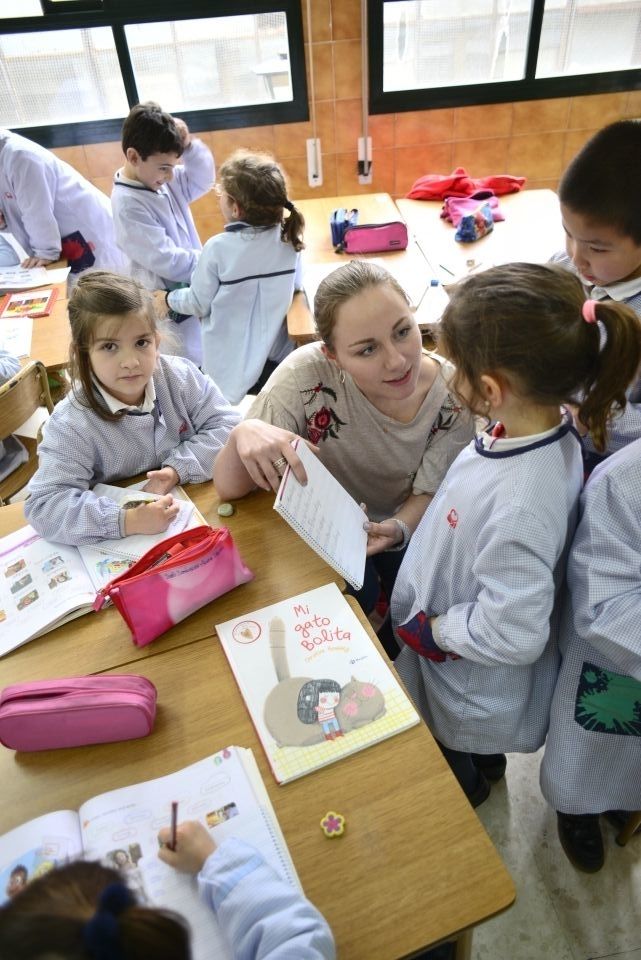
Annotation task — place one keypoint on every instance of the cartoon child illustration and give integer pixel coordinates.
(17, 880)
(317, 701)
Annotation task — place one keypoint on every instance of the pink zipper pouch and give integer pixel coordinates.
(72, 712)
(174, 579)
(375, 237)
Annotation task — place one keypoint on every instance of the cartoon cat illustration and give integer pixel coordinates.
(291, 710)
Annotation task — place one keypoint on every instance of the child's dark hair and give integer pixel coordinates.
(257, 184)
(82, 911)
(148, 129)
(97, 296)
(602, 181)
(524, 321)
(308, 698)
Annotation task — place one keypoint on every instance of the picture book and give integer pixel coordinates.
(43, 584)
(13, 276)
(28, 303)
(315, 685)
(324, 514)
(120, 828)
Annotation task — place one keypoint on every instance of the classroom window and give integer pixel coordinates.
(71, 69)
(427, 53)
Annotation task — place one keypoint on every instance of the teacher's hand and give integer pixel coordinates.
(265, 450)
(382, 536)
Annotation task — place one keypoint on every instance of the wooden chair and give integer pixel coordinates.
(20, 397)
(632, 825)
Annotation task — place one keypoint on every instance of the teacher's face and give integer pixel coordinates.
(377, 341)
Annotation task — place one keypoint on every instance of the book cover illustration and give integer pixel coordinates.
(28, 303)
(316, 686)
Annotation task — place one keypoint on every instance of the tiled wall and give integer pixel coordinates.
(534, 139)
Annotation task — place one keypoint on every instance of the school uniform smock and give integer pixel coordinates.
(156, 231)
(46, 204)
(592, 760)
(183, 423)
(380, 461)
(261, 916)
(487, 560)
(242, 289)
(9, 366)
(625, 427)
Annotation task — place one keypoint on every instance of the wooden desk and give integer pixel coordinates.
(100, 641)
(531, 232)
(414, 867)
(408, 266)
(51, 336)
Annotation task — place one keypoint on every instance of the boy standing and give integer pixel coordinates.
(600, 196)
(165, 169)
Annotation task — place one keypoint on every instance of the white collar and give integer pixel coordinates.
(115, 406)
(621, 290)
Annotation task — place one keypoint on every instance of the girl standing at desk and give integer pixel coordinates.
(131, 410)
(375, 404)
(474, 601)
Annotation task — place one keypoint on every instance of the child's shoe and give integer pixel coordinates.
(581, 839)
(492, 764)
(481, 792)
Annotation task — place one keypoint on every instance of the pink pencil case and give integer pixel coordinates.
(74, 711)
(375, 237)
(174, 579)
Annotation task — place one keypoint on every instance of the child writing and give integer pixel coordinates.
(84, 911)
(474, 602)
(602, 223)
(593, 750)
(165, 170)
(52, 210)
(244, 282)
(131, 410)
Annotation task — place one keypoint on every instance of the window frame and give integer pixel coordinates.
(508, 91)
(116, 14)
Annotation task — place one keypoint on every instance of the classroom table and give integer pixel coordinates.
(51, 335)
(408, 266)
(531, 232)
(414, 867)
(98, 641)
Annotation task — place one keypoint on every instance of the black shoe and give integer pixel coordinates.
(481, 792)
(492, 764)
(619, 819)
(581, 840)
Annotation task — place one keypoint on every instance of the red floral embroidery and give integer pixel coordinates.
(324, 422)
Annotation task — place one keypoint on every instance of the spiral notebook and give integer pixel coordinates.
(224, 791)
(324, 514)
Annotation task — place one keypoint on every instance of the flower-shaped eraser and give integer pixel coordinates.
(333, 824)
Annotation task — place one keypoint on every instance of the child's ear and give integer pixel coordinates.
(493, 389)
(237, 212)
(132, 156)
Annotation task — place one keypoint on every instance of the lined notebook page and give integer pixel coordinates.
(325, 516)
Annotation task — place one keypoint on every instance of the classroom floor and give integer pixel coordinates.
(560, 913)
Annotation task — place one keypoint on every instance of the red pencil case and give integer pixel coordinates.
(174, 579)
(376, 237)
(75, 711)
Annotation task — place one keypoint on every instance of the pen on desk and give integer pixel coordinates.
(446, 269)
(433, 283)
(174, 825)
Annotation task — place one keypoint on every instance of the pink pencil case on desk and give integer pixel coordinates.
(375, 237)
(174, 579)
(75, 711)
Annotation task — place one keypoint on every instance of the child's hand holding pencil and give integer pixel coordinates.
(188, 848)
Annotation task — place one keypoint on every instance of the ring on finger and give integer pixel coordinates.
(280, 463)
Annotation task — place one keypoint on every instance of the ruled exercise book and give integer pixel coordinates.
(324, 514)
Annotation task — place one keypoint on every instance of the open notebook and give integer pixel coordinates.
(120, 828)
(324, 514)
(43, 584)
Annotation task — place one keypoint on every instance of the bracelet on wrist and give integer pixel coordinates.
(407, 533)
